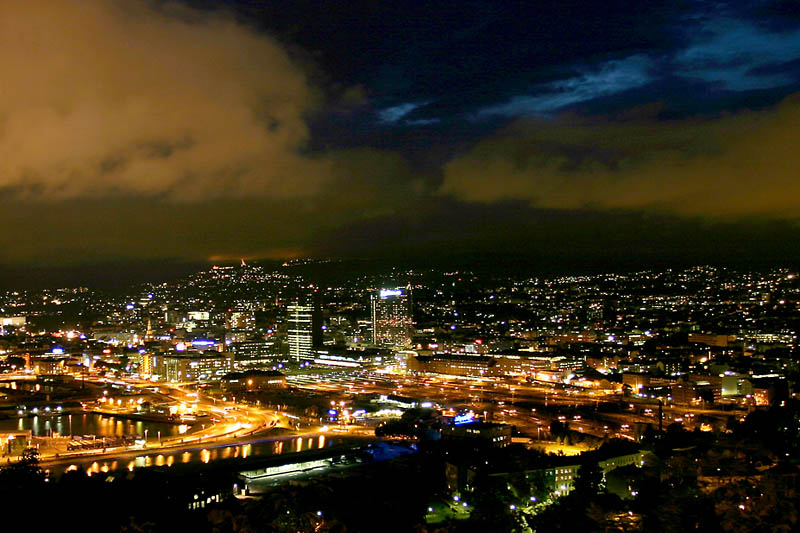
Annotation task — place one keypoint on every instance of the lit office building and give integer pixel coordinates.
(253, 351)
(391, 317)
(300, 344)
(305, 325)
(145, 361)
(196, 366)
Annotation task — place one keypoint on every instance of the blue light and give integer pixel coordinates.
(203, 343)
(386, 293)
(129, 307)
(57, 350)
(453, 326)
(464, 419)
(332, 412)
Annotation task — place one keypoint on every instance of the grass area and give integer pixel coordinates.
(442, 511)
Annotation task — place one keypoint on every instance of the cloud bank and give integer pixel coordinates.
(137, 129)
(737, 165)
(128, 97)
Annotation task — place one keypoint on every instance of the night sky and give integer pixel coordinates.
(611, 133)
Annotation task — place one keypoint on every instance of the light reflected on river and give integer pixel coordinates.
(90, 424)
(205, 455)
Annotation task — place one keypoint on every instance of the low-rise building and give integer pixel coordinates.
(455, 365)
(195, 366)
(482, 434)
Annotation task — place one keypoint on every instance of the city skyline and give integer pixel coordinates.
(502, 401)
(476, 266)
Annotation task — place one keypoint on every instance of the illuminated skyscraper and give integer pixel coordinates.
(391, 317)
(305, 325)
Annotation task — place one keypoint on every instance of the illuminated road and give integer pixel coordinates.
(228, 422)
(529, 407)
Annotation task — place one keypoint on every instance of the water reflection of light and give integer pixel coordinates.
(310, 443)
(299, 442)
(94, 468)
(205, 456)
(131, 465)
(170, 460)
(114, 465)
(104, 468)
(70, 468)
(148, 461)
(321, 441)
(246, 449)
(159, 460)
(186, 457)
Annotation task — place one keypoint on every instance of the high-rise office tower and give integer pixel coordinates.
(391, 317)
(316, 318)
(305, 325)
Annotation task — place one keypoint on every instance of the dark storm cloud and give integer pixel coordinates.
(775, 15)
(675, 97)
(454, 58)
(440, 67)
(514, 49)
(725, 54)
(788, 68)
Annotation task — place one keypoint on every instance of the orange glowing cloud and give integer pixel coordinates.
(141, 98)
